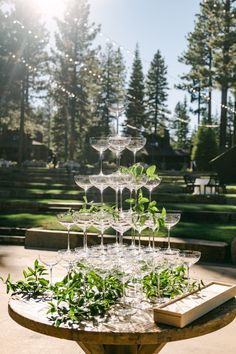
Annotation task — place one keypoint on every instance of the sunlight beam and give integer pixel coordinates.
(50, 8)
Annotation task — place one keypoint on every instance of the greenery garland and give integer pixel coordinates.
(83, 295)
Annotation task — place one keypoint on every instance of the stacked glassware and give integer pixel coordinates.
(136, 264)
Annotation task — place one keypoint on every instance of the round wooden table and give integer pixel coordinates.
(138, 336)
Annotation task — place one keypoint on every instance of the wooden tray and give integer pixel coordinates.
(189, 307)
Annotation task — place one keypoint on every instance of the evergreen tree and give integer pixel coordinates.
(205, 148)
(181, 125)
(27, 38)
(199, 57)
(224, 59)
(111, 89)
(135, 106)
(156, 92)
(211, 53)
(75, 65)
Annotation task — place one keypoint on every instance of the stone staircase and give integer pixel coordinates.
(23, 191)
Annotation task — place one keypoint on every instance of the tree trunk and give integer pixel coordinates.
(209, 119)
(199, 106)
(65, 114)
(72, 129)
(234, 124)
(223, 118)
(22, 125)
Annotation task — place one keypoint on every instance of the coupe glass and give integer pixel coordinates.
(140, 223)
(102, 221)
(139, 182)
(188, 258)
(66, 219)
(101, 145)
(100, 182)
(127, 182)
(50, 260)
(122, 223)
(151, 184)
(153, 224)
(159, 264)
(136, 144)
(114, 183)
(117, 144)
(171, 219)
(83, 220)
(68, 259)
(83, 182)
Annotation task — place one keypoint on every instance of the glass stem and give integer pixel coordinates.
(150, 195)
(117, 205)
(134, 157)
(153, 239)
(168, 238)
(149, 241)
(101, 158)
(85, 241)
(103, 287)
(101, 190)
(50, 275)
(102, 244)
(188, 275)
(121, 204)
(68, 239)
(130, 196)
(118, 161)
(158, 286)
(121, 238)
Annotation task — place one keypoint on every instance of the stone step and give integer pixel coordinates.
(212, 251)
(12, 240)
(12, 231)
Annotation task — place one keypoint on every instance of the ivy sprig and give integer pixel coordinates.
(83, 296)
(33, 285)
(172, 283)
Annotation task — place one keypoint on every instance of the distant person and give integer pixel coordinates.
(54, 160)
(194, 165)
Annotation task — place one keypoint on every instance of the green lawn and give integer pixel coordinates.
(198, 207)
(213, 232)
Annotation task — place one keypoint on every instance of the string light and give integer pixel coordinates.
(113, 43)
(22, 60)
(229, 109)
(122, 48)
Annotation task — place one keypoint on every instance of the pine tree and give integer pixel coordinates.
(199, 57)
(156, 92)
(205, 148)
(135, 109)
(26, 61)
(111, 89)
(181, 124)
(224, 53)
(211, 53)
(74, 67)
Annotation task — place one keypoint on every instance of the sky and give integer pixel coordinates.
(153, 24)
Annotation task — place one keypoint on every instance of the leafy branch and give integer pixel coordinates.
(33, 285)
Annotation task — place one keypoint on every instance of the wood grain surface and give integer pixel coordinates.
(139, 329)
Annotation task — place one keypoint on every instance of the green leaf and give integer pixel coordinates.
(151, 170)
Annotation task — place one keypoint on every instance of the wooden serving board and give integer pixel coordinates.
(189, 307)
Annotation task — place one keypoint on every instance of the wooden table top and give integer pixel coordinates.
(140, 329)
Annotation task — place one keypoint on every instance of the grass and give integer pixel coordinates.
(31, 192)
(195, 207)
(204, 231)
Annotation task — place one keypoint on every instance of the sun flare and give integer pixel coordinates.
(50, 8)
